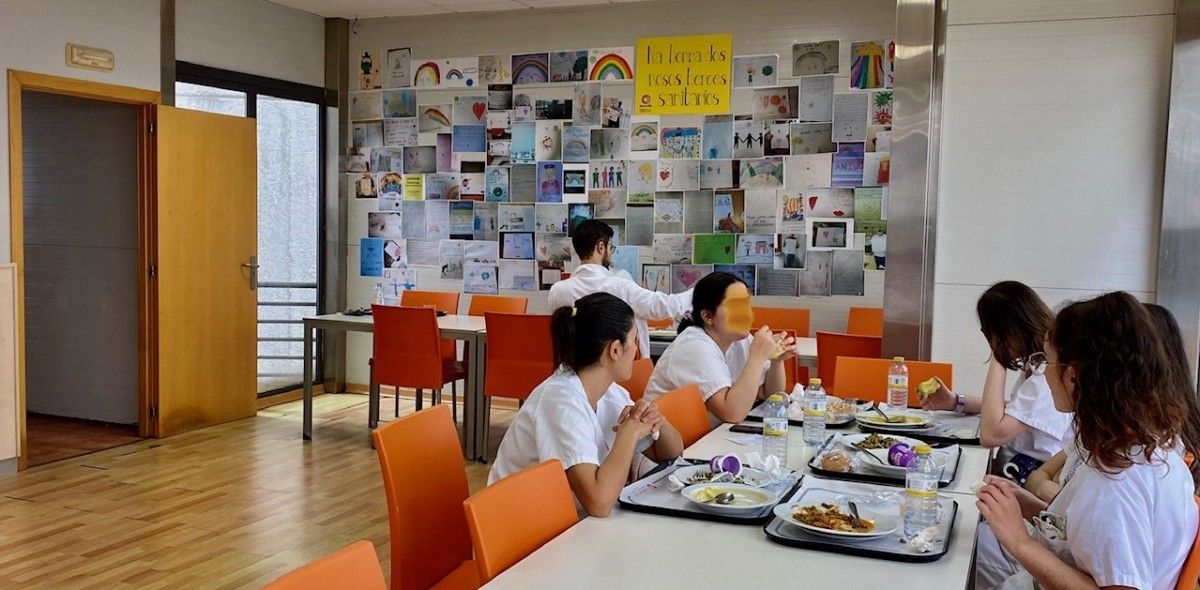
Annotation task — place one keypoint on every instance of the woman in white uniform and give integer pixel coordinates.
(715, 350)
(580, 416)
(1126, 516)
(1023, 423)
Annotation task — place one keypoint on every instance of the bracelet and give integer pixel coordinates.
(960, 404)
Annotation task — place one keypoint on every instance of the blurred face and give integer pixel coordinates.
(1060, 378)
(620, 355)
(734, 316)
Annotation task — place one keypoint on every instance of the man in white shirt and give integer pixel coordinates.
(879, 248)
(593, 244)
(791, 245)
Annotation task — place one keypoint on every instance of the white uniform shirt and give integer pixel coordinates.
(646, 304)
(1049, 430)
(879, 245)
(557, 422)
(791, 245)
(694, 358)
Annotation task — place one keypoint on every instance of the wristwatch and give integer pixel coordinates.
(960, 404)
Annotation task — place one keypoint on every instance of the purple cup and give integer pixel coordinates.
(901, 455)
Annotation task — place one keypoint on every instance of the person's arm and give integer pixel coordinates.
(996, 428)
(652, 304)
(1042, 482)
(598, 486)
(733, 403)
(776, 379)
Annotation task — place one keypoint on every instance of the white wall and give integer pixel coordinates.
(1053, 135)
(252, 37)
(758, 26)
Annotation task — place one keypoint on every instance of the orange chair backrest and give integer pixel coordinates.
(481, 304)
(515, 516)
(519, 354)
(1189, 576)
(865, 321)
(355, 566)
(831, 345)
(636, 384)
(407, 347)
(795, 319)
(685, 410)
(660, 324)
(867, 378)
(425, 481)
(443, 301)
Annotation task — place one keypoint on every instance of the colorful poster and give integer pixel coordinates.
(369, 64)
(683, 75)
(495, 69)
(714, 249)
(685, 276)
(764, 173)
(748, 136)
(549, 182)
(643, 139)
(656, 277)
(480, 278)
(391, 190)
(586, 106)
(458, 72)
(470, 109)
(610, 174)
(433, 118)
(396, 74)
(578, 213)
(370, 252)
(575, 179)
(678, 175)
(848, 165)
(776, 103)
(576, 143)
(679, 143)
(729, 210)
(877, 168)
(568, 66)
(530, 68)
(753, 71)
(625, 258)
(400, 102)
(612, 63)
(755, 249)
(866, 64)
(643, 181)
(868, 210)
(610, 144)
(881, 108)
(810, 59)
(472, 138)
(790, 217)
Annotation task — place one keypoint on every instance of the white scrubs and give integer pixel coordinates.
(694, 358)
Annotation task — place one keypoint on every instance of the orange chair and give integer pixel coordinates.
(685, 410)
(795, 320)
(636, 384)
(425, 482)
(447, 303)
(867, 378)
(408, 354)
(1189, 576)
(515, 516)
(831, 345)
(865, 321)
(355, 566)
(481, 304)
(519, 357)
(660, 324)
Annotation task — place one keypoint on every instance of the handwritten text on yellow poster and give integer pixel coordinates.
(683, 75)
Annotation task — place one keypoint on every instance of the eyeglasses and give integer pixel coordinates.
(1036, 363)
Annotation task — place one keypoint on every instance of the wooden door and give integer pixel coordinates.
(206, 241)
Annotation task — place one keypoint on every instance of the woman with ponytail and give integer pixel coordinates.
(715, 350)
(580, 415)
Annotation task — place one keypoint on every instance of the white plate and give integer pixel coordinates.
(913, 421)
(751, 477)
(940, 458)
(747, 499)
(884, 524)
(851, 439)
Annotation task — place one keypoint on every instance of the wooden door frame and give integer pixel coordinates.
(145, 102)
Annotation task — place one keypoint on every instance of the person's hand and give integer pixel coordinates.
(999, 506)
(645, 411)
(942, 399)
(786, 344)
(1031, 505)
(627, 426)
(763, 344)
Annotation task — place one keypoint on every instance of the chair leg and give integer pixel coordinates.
(419, 400)
(396, 413)
(454, 399)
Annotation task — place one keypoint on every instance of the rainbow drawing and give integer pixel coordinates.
(454, 74)
(531, 68)
(436, 116)
(610, 64)
(866, 69)
(427, 74)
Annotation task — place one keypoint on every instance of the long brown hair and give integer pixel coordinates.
(1123, 389)
(1014, 321)
(1181, 378)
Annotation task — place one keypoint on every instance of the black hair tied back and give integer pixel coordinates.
(581, 333)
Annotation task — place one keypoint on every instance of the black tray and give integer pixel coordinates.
(815, 469)
(920, 434)
(702, 515)
(784, 533)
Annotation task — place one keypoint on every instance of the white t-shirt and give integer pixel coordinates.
(879, 245)
(790, 245)
(557, 422)
(694, 358)
(1049, 430)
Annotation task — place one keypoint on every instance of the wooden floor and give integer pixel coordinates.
(232, 506)
(53, 438)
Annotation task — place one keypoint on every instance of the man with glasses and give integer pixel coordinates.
(593, 242)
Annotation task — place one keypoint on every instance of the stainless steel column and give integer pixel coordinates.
(337, 82)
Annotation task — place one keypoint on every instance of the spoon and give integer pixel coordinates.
(854, 512)
(722, 499)
(886, 418)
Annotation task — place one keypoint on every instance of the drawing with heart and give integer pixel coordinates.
(664, 174)
(812, 203)
(689, 277)
(480, 109)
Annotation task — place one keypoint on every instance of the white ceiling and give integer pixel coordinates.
(382, 8)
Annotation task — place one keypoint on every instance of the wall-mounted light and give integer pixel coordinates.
(90, 58)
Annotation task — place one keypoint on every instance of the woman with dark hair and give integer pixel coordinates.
(1023, 424)
(1126, 515)
(580, 416)
(715, 350)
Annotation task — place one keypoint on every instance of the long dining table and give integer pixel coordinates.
(631, 549)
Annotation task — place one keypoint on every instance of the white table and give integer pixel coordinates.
(469, 329)
(806, 349)
(635, 550)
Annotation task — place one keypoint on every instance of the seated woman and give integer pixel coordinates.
(715, 350)
(1046, 482)
(1126, 516)
(1024, 423)
(580, 416)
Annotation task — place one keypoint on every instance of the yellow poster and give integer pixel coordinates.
(414, 187)
(683, 75)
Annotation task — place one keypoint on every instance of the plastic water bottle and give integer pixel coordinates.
(897, 392)
(378, 294)
(775, 428)
(920, 493)
(814, 413)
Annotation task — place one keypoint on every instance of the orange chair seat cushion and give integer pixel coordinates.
(464, 577)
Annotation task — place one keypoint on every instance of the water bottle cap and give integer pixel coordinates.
(814, 381)
(898, 359)
(922, 449)
(776, 397)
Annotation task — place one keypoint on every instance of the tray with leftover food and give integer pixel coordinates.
(838, 460)
(654, 494)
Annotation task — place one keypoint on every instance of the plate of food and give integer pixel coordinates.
(874, 440)
(832, 520)
(884, 464)
(731, 499)
(898, 420)
(698, 474)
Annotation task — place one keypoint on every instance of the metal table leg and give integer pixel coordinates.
(471, 397)
(308, 380)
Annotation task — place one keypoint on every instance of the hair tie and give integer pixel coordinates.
(573, 310)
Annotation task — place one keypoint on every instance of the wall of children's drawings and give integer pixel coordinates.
(480, 167)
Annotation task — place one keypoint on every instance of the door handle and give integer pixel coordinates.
(252, 264)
